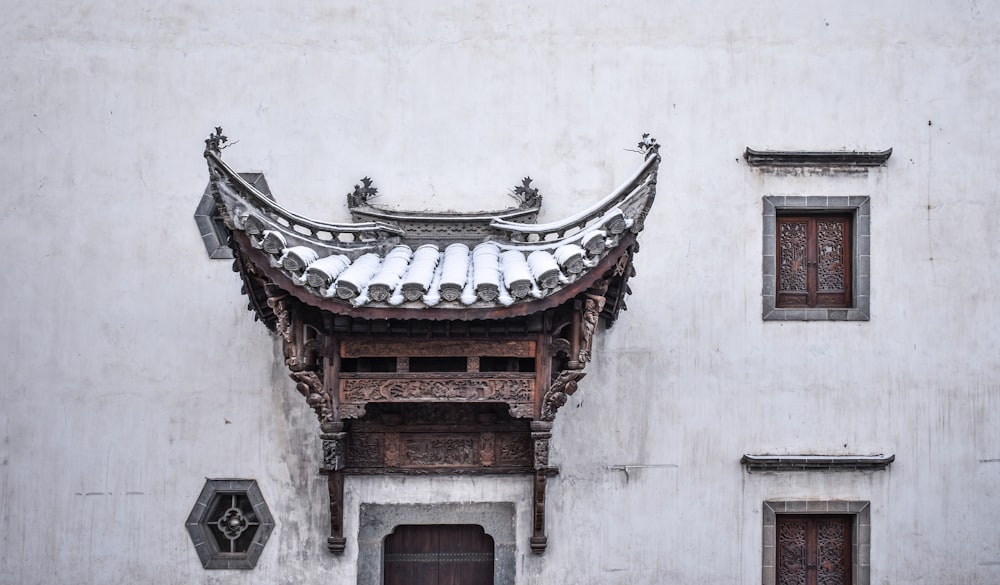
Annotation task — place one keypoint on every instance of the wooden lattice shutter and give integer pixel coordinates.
(814, 550)
(814, 261)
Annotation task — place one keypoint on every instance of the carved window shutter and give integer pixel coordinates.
(814, 550)
(814, 261)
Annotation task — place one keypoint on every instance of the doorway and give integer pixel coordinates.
(438, 554)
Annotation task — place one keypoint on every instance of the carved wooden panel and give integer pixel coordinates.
(792, 256)
(832, 536)
(814, 261)
(792, 552)
(420, 438)
(813, 550)
(831, 240)
(514, 449)
(465, 387)
(488, 451)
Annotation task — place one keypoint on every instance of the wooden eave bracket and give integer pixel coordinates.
(816, 158)
(816, 462)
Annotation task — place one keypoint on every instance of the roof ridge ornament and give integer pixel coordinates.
(527, 195)
(215, 141)
(362, 194)
(649, 146)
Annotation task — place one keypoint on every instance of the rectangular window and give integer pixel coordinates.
(818, 542)
(814, 261)
(814, 549)
(817, 258)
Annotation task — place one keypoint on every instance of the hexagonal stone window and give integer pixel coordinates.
(230, 524)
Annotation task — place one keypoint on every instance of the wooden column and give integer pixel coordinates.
(333, 465)
(540, 435)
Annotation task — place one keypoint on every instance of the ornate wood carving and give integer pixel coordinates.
(487, 449)
(813, 549)
(485, 452)
(351, 411)
(437, 451)
(310, 385)
(592, 307)
(391, 449)
(456, 376)
(814, 261)
(334, 453)
(513, 450)
(521, 410)
(441, 388)
(559, 391)
(431, 435)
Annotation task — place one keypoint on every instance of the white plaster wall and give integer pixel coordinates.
(132, 370)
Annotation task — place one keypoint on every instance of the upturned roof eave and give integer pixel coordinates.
(443, 312)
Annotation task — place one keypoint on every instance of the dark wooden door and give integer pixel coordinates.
(814, 550)
(440, 554)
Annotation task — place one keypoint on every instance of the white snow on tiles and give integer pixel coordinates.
(490, 273)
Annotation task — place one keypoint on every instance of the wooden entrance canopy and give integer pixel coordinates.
(434, 343)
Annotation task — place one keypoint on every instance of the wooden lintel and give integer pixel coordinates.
(356, 348)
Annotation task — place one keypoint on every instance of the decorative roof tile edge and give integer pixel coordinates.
(819, 158)
(816, 462)
(543, 259)
(444, 311)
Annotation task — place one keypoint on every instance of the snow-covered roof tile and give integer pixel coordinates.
(432, 260)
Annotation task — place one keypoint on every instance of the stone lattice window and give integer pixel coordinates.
(230, 524)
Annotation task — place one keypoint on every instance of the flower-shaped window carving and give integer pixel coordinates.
(230, 524)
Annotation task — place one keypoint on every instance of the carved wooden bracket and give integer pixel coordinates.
(559, 390)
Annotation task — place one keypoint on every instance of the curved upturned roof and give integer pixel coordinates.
(433, 265)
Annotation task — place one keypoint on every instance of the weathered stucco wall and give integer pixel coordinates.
(132, 370)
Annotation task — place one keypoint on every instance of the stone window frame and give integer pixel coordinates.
(857, 205)
(861, 533)
(199, 530)
(376, 521)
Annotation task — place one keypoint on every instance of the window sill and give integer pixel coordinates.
(846, 314)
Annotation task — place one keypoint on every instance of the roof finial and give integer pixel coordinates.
(527, 195)
(649, 145)
(215, 141)
(362, 194)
